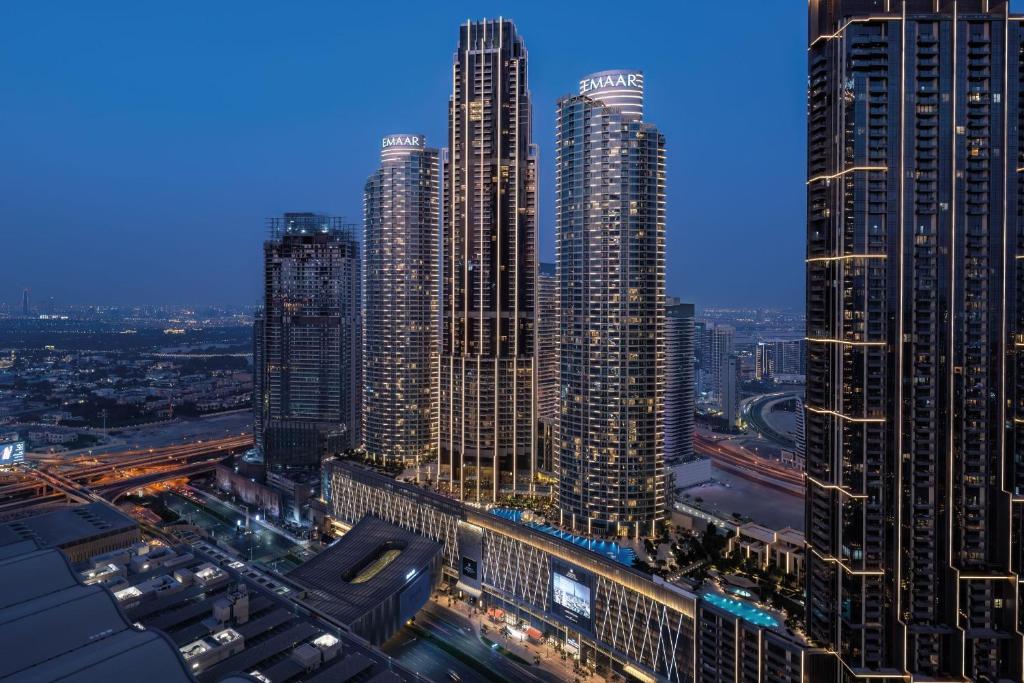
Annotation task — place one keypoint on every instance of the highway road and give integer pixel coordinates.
(738, 460)
(753, 411)
(114, 490)
(413, 649)
(109, 476)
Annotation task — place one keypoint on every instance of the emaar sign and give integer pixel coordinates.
(606, 80)
(616, 81)
(402, 140)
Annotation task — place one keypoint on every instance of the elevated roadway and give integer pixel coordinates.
(738, 460)
(754, 414)
(109, 476)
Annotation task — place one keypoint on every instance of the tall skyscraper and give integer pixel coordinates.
(701, 343)
(729, 386)
(547, 342)
(610, 240)
(24, 302)
(774, 357)
(400, 282)
(487, 412)
(309, 342)
(721, 340)
(799, 432)
(259, 376)
(547, 365)
(679, 383)
(915, 487)
(702, 357)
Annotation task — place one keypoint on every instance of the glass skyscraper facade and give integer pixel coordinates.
(679, 383)
(915, 481)
(400, 234)
(547, 342)
(610, 242)
(547, 365)
(487, 414)
(721, 345)
(773, 357)
(309, 341)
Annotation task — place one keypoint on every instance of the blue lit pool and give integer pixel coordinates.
(609, 549)
(744, 610)
(508, 513)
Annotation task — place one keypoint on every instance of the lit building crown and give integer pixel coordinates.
(619, 89)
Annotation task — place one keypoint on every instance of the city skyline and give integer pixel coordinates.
(286, 155)
(484, 457)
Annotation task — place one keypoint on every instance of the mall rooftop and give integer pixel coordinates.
(373, 578)
(56, 628)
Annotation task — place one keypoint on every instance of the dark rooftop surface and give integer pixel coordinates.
(67, 525)
(55, 628)
(352, 576)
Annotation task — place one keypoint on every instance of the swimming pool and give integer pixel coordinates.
(609, 549)
(744, 610)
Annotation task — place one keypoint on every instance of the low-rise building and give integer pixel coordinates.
(200, 655)
(770, 548)
(249, 489)
(373, 579)
(57, 628)
(82, 531)
(52, 436)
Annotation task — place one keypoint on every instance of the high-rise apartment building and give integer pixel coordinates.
(701, 343)
(610, 242)
(721, 345)
(487, 415)
(679, 382)
(773, 357)
(915, 487)
(400, 280)
(547, 365)
(729, 390)
(799, 432)
(547, 342)
(259, 376)
(309, 341)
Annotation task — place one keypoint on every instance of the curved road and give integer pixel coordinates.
(754, 413)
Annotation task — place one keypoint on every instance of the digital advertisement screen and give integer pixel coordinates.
(11, 453)
(469, 568)
(572, 595)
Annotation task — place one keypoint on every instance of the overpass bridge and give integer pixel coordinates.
(112, 475)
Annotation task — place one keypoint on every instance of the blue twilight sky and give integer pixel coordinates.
(143, 144)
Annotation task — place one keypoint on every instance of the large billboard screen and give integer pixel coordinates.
(572, 595)
(469, 568)
(12, 453)
(471, 564)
